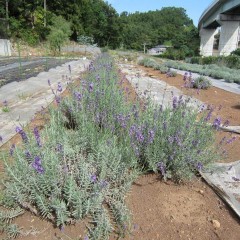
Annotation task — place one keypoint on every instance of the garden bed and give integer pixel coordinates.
(161, 210)
(22, 69)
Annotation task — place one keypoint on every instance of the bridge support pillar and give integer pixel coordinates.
(229, 37)
(207, 40)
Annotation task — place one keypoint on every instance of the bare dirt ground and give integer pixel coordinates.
(163, 210)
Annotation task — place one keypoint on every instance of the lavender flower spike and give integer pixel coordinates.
(22, 133)
(59, 89)
(37, 165)
(37, 136)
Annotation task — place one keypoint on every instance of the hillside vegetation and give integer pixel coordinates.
(100, 21)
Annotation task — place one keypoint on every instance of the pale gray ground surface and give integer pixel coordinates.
(219, 83)
(226, 182)
(157, 90)
(27, 97)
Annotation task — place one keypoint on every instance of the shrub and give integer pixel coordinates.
(148, 62)
(95, 143)
(163, 69)
(171, 73)
(201, 83)
(60, 31)
(29, 36)
(236, 52)
(212, 70)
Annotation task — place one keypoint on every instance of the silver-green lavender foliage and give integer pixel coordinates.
(84, 162)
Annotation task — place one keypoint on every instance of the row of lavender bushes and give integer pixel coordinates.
(96, 142)
(211, 70)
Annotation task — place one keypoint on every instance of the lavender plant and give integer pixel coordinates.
(93, 147)
(200, 82)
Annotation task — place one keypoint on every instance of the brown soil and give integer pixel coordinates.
(226, 104)
(161, 210)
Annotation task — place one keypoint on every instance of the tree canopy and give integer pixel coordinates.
(100, 21)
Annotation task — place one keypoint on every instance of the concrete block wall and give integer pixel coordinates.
(5, 48)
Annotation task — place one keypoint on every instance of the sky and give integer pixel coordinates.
(194, 8)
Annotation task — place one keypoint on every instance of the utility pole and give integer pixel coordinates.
(144, 47)
(45, 12)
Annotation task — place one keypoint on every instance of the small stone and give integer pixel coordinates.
(201, 192)
(216, 224)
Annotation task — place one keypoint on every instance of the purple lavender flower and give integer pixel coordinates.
(132, 130)
(175, 101)
(208, 117)
(28, 155)
(49, 83)
(217, 123)
(231, 140)
(195, 143)
(1, 138)
(199, 166)
(86, 238)
(37, 136)
(59, 89)
(78, 96)
(69, 68)
(11, 150)
(151, 135)
(90, 87)
(139, 136)
(162, 168)
(59, 147)
(22, 133)
(93, 178)
(37, 165)
(5, 103)
(104, 184)
(57, 99)
(61, 228)
(185, 76)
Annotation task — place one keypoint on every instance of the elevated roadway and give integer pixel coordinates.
(221, 16)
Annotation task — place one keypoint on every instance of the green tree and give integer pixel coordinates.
(60, 31)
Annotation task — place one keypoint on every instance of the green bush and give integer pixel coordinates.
(60, 31)
(212, 70)
(30, 37)
(231, 61)
(201, 83)
(171, 73)
(236, 52)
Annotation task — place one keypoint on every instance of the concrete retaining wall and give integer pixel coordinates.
(5, 48)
